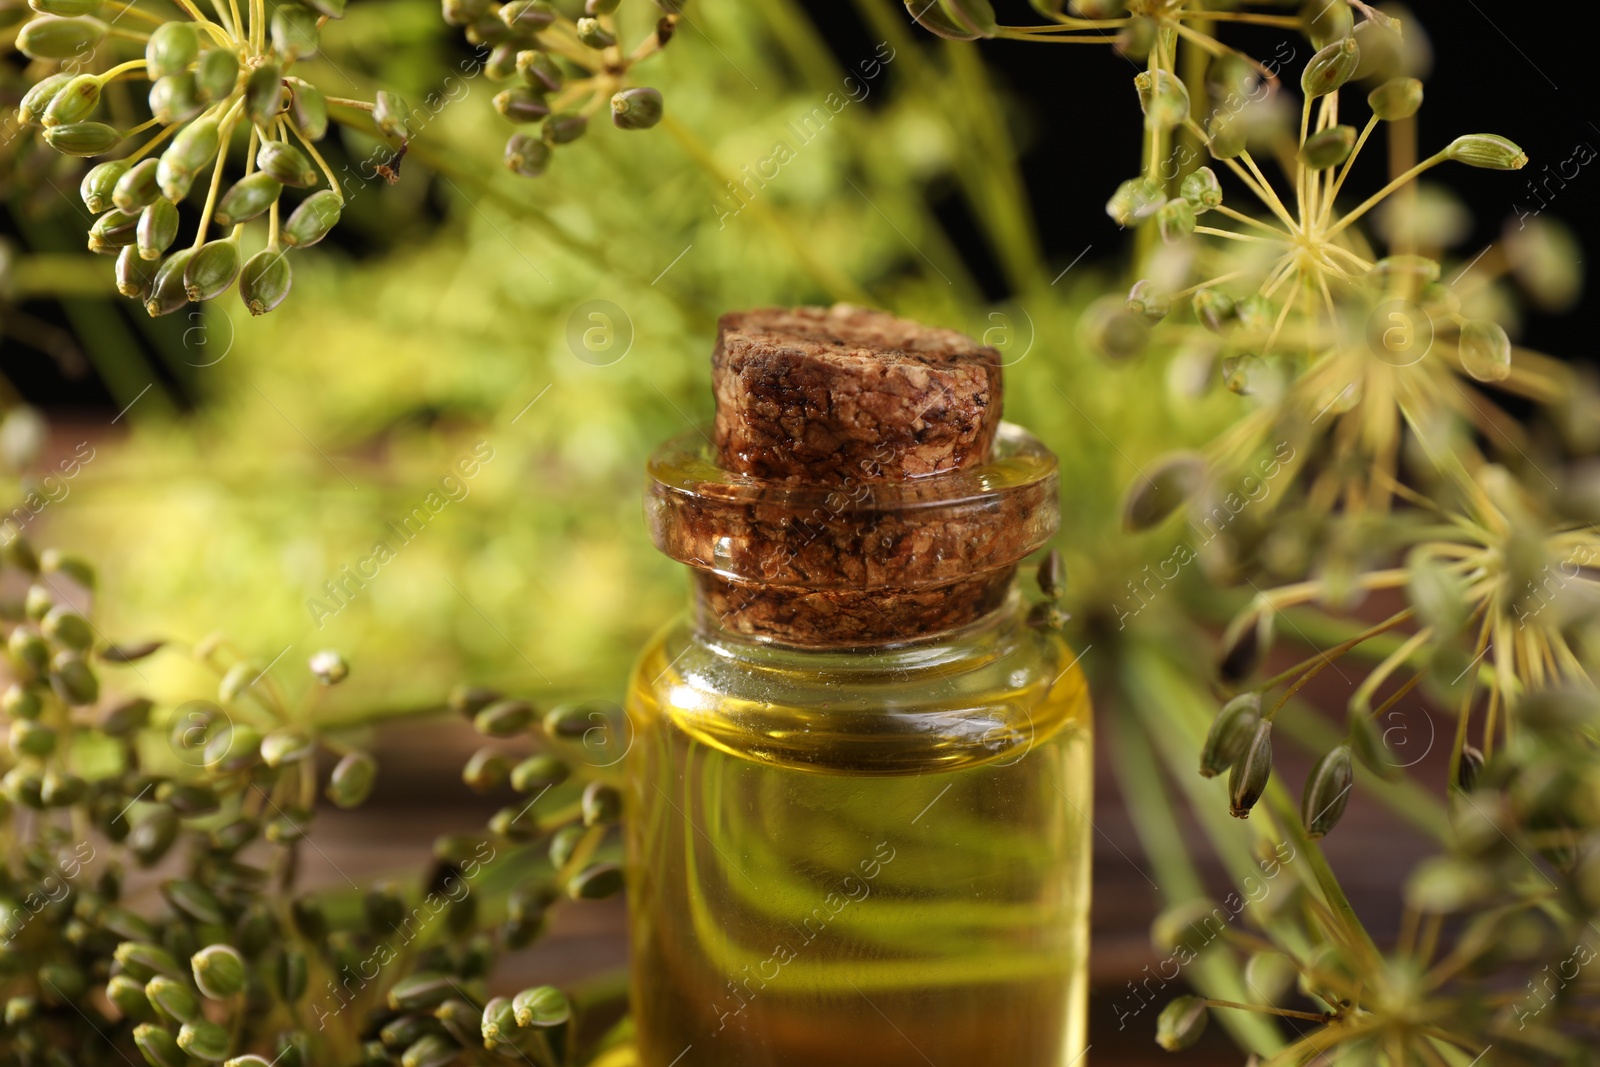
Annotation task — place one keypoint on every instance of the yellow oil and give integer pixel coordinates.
(865, 864)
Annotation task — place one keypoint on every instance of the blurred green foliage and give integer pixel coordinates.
(321, 425)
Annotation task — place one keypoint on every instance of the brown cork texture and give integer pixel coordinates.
(848, 545)
(849, 617)
(844, 394)
(851, 397)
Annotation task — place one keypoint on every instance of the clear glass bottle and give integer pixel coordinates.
(865, 854)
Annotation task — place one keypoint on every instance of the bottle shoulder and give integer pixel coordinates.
(982, 697)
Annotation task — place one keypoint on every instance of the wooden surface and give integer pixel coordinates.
(420, 796)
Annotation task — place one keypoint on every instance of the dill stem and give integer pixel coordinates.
(1323, 658)
(1344, 171)
(1265, 1009)
(1376, 198)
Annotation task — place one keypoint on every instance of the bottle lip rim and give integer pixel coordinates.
(686, 465)
(935, 648)
(938, 530)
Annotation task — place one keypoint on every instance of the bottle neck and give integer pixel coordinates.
(851, 566)
(865, 618)
(941, 702)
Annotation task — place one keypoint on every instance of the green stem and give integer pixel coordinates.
(1265, 1009)
(104, 335)
(442, 160)
(62, 274)
(1166, 846)
(797, 35)
(224, 135)
(836, 284)
(992, 179)
(1194, 63)
(1376, 198)
(1338, 649)
(1324, 658)
(121, 68)
(1287, 817)
(1344, 171)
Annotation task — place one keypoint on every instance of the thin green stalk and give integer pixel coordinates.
(1264, 1009)
(1344, 171)
(1314, 665)
(1167, 848)
(797, 35)
(441, 158)
(996, 190)
(1376, 198)
(56, 274)
(1305, 625)
(1287, 816)
(109, 344)
(1194, 63)
(1156, 684)
(830, 279)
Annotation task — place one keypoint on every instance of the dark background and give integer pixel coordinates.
(1492, 73)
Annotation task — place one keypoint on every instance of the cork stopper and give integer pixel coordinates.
(860, 488)
(830, 395)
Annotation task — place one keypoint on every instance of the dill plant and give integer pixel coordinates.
(1269, 314)
(1407, 476)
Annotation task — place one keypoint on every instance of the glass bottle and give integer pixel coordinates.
(866, 852)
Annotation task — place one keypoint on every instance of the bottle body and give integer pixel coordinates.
(860, 857)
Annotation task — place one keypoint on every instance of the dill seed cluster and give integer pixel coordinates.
(237, 965)
(216, 87)
(564, 69)
(1361, 356)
